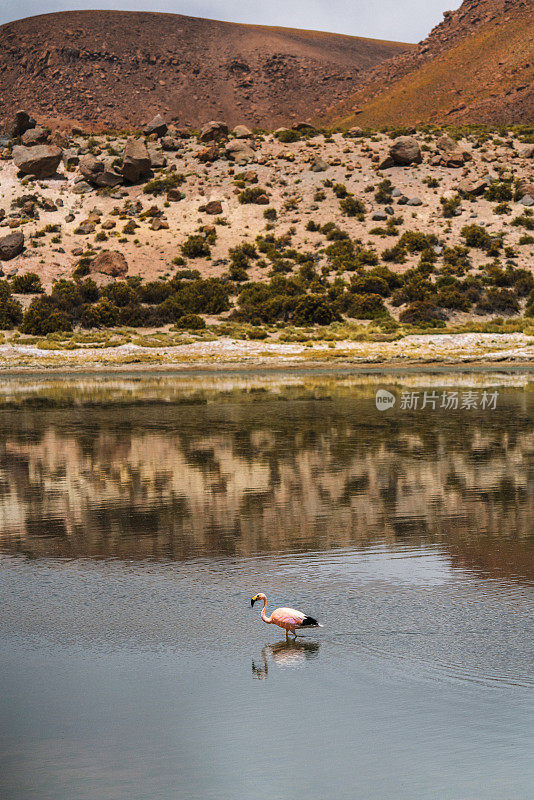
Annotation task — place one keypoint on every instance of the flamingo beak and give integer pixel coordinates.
(252, 601)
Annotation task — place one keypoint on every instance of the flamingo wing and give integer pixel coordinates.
(291, 618)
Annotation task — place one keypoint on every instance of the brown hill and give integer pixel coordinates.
(475, 66)
(116, 68)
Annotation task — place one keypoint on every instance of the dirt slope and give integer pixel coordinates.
(114, 68)
(476, 66)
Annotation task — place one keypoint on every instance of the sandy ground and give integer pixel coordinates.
(441, 349)
(285, 171)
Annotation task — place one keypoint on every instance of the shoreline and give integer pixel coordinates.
(436, 352)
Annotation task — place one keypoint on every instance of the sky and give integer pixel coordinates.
(398, 20)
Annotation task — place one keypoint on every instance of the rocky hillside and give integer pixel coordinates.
(116, 69)
(476, 66)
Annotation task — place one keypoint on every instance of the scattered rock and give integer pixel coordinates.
(19, 124)
(242, 132)
(82, 187)
(472, 187)
(70, 157)
(41, 161)
(208, 154)
(136, 162)
(170, 144)
(157, 159)
(319, 165)
(97, 173)
(239, 151)
(405, 151)
(451, 154)
(34, 136)
(156, 126)
(11, 245)
(213, 207)
(213, 131)
(110, 262)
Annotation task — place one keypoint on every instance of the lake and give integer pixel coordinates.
(139, 514)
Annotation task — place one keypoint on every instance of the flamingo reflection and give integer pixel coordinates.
(287, 653)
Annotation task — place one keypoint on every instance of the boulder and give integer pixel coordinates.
(157, 159)
(208, 154)
(170, 144)
(70, 157)
(213, 207)
(19, 124)
(239, 151)
(34, 136)
(81, 187)
(136, 162)
(98, 173)
(242, 132)
(110, 262)
(450, 152)
(41, 160)
(472, 187)
(156, 126)
(528, 152)
(214, 131)
(405, 151)
(525, 186)
(319, 165)
(11, 245)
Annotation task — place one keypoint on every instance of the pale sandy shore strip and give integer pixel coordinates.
(443, 349)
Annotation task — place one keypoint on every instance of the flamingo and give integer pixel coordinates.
(287, 618)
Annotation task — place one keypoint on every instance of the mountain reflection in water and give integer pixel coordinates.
(178, 468)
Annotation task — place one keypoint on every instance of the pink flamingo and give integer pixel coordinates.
(287, 618)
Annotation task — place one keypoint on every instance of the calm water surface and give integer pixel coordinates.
(139, 515)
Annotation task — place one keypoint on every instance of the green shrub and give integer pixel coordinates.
(383, 193)
(422, 312)
(452, 298)
(352, 207)
(119, 293)
(100, 315)
(416, 242)
(10, 310)
(29, 283)
(340, 190)
(366, 306)
(196, 246)
(288, 136)
(476, 236)
(159, 186)
(499, 192)
(203, 296)
(154, 291)
(253, 194)
(450, 206)
(500, 301)
(191, 322)
(370, 284)
(314, 309)
(43, 316)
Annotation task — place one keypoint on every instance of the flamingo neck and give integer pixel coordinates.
(264, 616)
